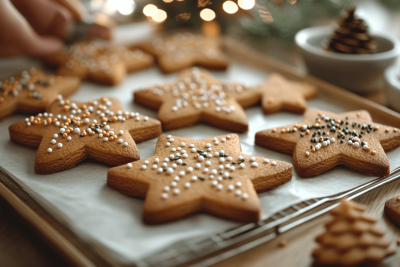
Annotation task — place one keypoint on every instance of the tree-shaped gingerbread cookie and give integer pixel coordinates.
(352, 238)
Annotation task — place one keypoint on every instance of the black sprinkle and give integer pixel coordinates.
(233, 162)
(202, 178)
(184, 163)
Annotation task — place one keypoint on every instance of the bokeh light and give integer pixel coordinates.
(168, 1)
(230, 7)
(159, 16)
(149, 10)
(207, 14)
(246, 4)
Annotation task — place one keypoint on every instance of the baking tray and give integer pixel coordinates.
(81, 249)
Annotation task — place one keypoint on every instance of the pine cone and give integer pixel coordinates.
(351, 36)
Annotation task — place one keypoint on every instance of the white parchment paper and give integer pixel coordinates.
(111, 221)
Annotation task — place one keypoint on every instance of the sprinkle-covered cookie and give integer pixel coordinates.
(186, 176)
(352, 238)
(32, 91)
(281, 94)
(392, 209)
(198, 97)
(71, 131)
(99, 62)
(182, 50)
(324, 140)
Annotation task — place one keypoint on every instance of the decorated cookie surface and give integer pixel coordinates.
(352, 238)
(100, 62)
(71, 131)
(198, 97)
(281, 94)
(32, 91)
(392, 209)
(324, 140)
(186, 176)
(182, 50)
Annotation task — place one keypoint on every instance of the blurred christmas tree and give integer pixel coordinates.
(391, 4)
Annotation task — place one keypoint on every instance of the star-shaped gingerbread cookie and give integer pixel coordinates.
(281, 94)
(324, 140)
(32, 91)
(71, 131)
(99, 62)
(198, 97)
(182, 50)
(186, 176)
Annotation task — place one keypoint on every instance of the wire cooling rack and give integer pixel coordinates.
(205, 251)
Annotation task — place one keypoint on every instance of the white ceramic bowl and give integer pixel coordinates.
(358, 73)
(392, 80)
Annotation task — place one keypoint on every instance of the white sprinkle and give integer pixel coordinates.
(166, 159)
(168, 143)
(181, 173)
(179, 161)
(252, 159)
(164, 164)
(226, 174)
(223, 139)
(209, 149)
(53, 141)
(174, 184)
(333, 140)
(105, 139)
(60, 145)
(190, 169)
(55, 135)
(198, 166)
(240, 158)
(107, 127)
(231, 187)
(156, 160)
(146, 118)
(350, 142)
(266, 160)
(273, 162)
(232, 168)
(241, 165)
(191, 145)
(176, 191)
(144, 167)
(356, 144)
(365, 146)
(146, 162)
(49, 150)
(221, 167)
(229, 158)
(238, 192)
(200, 158)
(216, 143)
(208, 163)
(221, 159)
(169, 136)
(171, 140)
(211, 176)
(69, 138)
(173, 149)
(28, 123)
(245, 196)
(214, 171)
(166, 188)
(179, 148)
(194, 178)
(126, 144)
(208, 145)
(238, 184)
(100, 135)
(77, 130)
(216, 154)
(183, 144)
(193, 150)
(176, 178)
(121, 132)
(220, 187)
(164, 195)
(187, 185)
(324, 143)
(160, 170)
(170, 170)
(214, 183)
(154, 166)
(205, 170)
(227, 166)
(185, 155)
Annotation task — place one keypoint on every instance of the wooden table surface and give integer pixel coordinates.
(19, 246)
